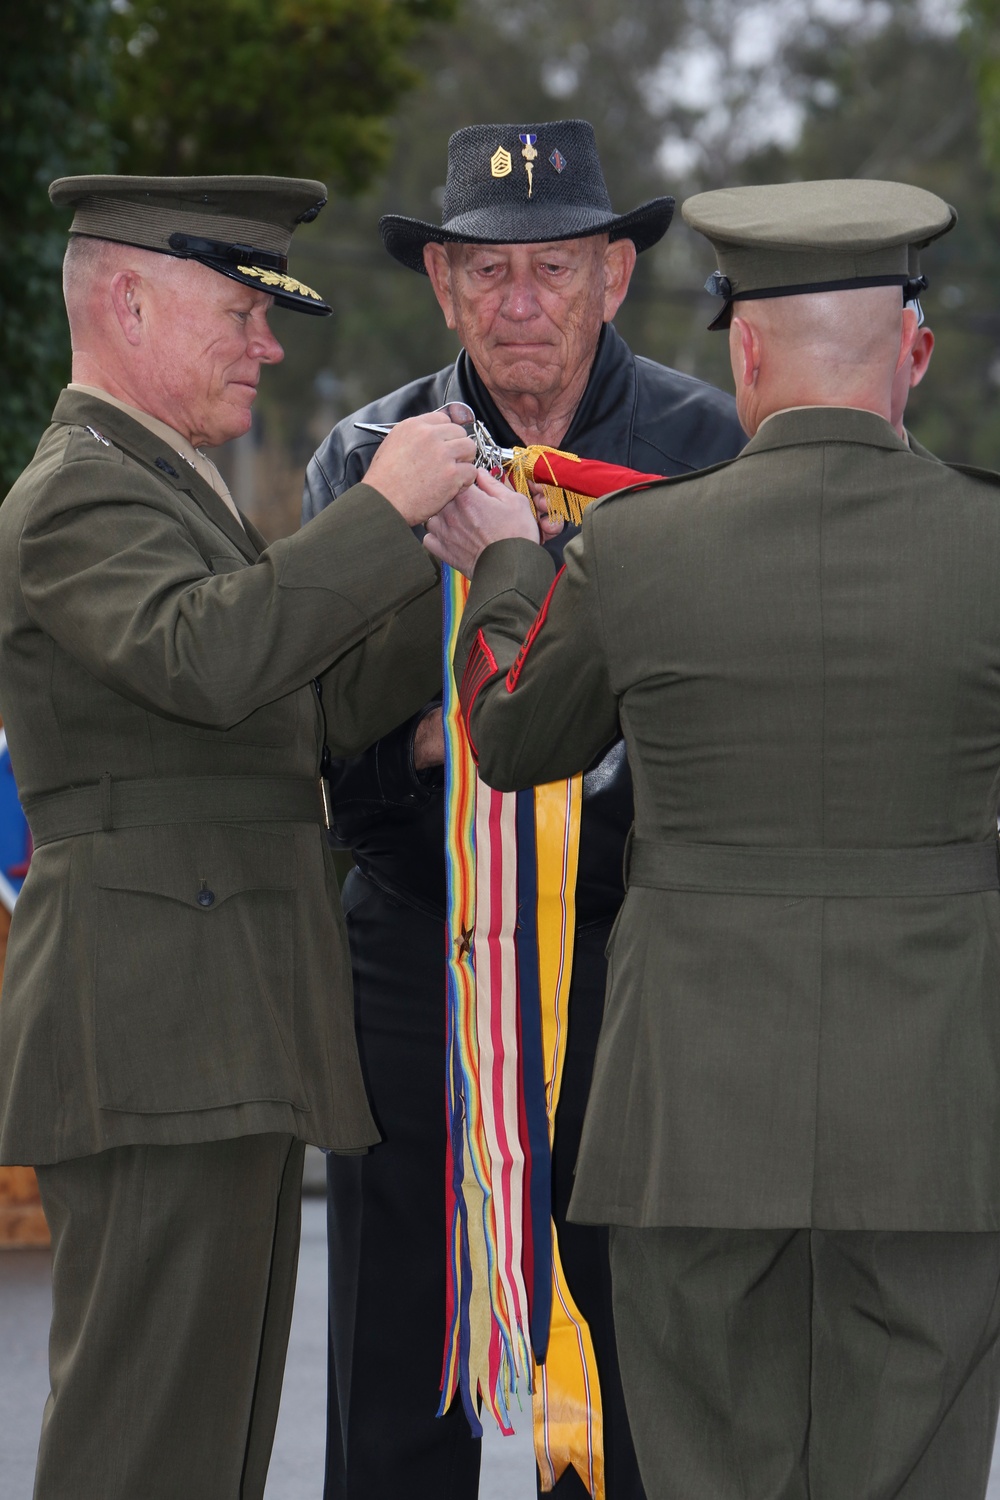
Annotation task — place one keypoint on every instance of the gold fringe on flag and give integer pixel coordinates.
(520, 470)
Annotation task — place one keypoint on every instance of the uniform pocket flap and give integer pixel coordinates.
(228, 564)
(201, 867)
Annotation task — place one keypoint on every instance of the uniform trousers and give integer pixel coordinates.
(388, 1244)
(173, 1276)
(808, 1364)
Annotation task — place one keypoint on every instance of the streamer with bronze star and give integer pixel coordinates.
(487, 1354)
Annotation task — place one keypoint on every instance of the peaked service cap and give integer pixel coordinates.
(524, 185)
(791, 238)
(239, 226)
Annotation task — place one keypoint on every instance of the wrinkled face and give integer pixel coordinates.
(530, 315)
(208, 338)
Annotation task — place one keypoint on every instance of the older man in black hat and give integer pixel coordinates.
(529, 266)
(176, 1015)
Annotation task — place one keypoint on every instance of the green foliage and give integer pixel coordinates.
(296, 87)
(52, 70)
(292, 87)
(984, 39)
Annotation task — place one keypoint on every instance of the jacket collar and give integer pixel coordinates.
(77, 409)
(823, 424)
(602, 423)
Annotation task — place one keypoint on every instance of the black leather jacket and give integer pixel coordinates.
(633, 412)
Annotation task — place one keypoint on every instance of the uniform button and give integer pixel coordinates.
(205, 897)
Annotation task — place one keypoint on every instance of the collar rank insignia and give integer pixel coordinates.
(558, 160)
(500, 163)
(530, 154)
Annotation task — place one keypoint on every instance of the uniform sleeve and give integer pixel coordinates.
(110, 569)
(532, 666)
(334, 468)
(380, 683)
(382, 780)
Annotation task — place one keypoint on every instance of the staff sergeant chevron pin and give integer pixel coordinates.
(500, 162)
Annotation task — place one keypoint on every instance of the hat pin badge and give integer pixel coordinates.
(530, 155)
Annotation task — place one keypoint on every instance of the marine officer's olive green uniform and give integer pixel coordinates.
(176, 1016)
(794, 1122)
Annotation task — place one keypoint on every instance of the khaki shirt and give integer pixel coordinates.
(199, 461)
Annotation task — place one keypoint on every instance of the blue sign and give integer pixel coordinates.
(15, 838)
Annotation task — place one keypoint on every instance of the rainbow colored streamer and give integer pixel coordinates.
(487, 1352)
(511, 876)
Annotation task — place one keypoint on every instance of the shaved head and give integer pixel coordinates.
(839, 348)
(86, 264)
(84, 259)
(90, 266)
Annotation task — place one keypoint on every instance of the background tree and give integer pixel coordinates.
(984, 36)
(296, 87)
(292, 87)
(53, 68)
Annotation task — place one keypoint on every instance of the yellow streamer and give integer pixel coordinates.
(566, 1403)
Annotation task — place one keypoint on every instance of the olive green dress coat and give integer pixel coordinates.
(803, 646)
(177, 968)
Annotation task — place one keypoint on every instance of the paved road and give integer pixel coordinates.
(297, 1465)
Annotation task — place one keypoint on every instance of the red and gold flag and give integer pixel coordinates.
(570, 483)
